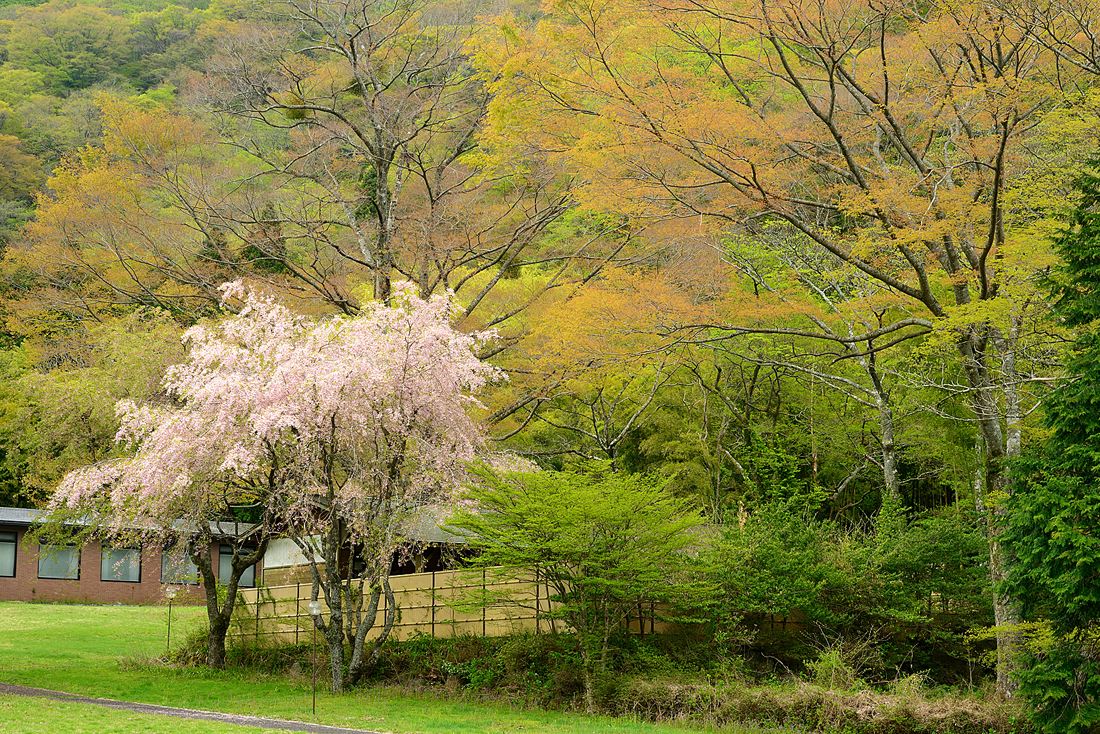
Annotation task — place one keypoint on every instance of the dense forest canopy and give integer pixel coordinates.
(788, 255)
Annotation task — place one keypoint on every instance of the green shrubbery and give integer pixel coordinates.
(603, 543)
(662, 677)
(543, 669)
(907, 591)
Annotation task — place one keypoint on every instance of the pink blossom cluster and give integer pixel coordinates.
(360, 416)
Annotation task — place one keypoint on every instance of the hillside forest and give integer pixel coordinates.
(819, 266)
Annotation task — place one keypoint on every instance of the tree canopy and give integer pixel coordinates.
(781, 255)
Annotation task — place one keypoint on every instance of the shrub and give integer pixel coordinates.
(193, 650)
(832, 671)
(603, 545)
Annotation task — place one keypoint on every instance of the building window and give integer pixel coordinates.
(58, 562)
(176, 567)
(7, 553)
(225, 566)
(121, 564)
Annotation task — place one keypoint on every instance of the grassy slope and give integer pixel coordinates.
(78, 649)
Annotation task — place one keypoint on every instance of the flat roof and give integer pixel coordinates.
(19, 516)
(423, 525)
(25, 518)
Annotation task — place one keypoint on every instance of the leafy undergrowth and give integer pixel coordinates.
(800, 704)
(543, 672)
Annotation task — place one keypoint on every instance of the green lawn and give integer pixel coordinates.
(78, 649)
(35, 715)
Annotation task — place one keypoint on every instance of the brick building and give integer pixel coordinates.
(94, 574)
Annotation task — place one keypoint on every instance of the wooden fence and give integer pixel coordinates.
(426, 604)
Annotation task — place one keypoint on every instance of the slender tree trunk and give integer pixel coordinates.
(217, 619)
(886, 427)
(978, 482)
(361, 662)
(889, 453)
(1006, 612)
(588, 675)
(334, 629)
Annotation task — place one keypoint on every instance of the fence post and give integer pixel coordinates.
(257, 633)
(297, 611)
(537, 601)
(483, 605)
(433, 605)
(550, 608)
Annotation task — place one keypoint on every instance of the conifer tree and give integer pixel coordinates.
(1054, 515)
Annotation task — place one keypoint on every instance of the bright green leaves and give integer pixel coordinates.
(602, 544)
(72, 46)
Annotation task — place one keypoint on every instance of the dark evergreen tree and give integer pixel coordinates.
(1053, 528)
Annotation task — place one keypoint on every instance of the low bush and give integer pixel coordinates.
(832, 671)
(193, 650)
(542, 668)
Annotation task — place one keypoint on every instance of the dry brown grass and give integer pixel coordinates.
(907, 710)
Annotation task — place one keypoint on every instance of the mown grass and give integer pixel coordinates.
(92, 650)
(35, 715)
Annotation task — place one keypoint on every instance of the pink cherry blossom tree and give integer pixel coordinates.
(338, 429)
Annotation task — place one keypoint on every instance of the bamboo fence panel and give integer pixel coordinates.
(428, 603)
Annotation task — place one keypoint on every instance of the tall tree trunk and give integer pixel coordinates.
(329, 582)
(1006, 616)
(1006, 612)
(869, 363)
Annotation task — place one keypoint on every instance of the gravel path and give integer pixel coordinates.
(148, 708)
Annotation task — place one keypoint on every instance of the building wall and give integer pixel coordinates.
(89, 588)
